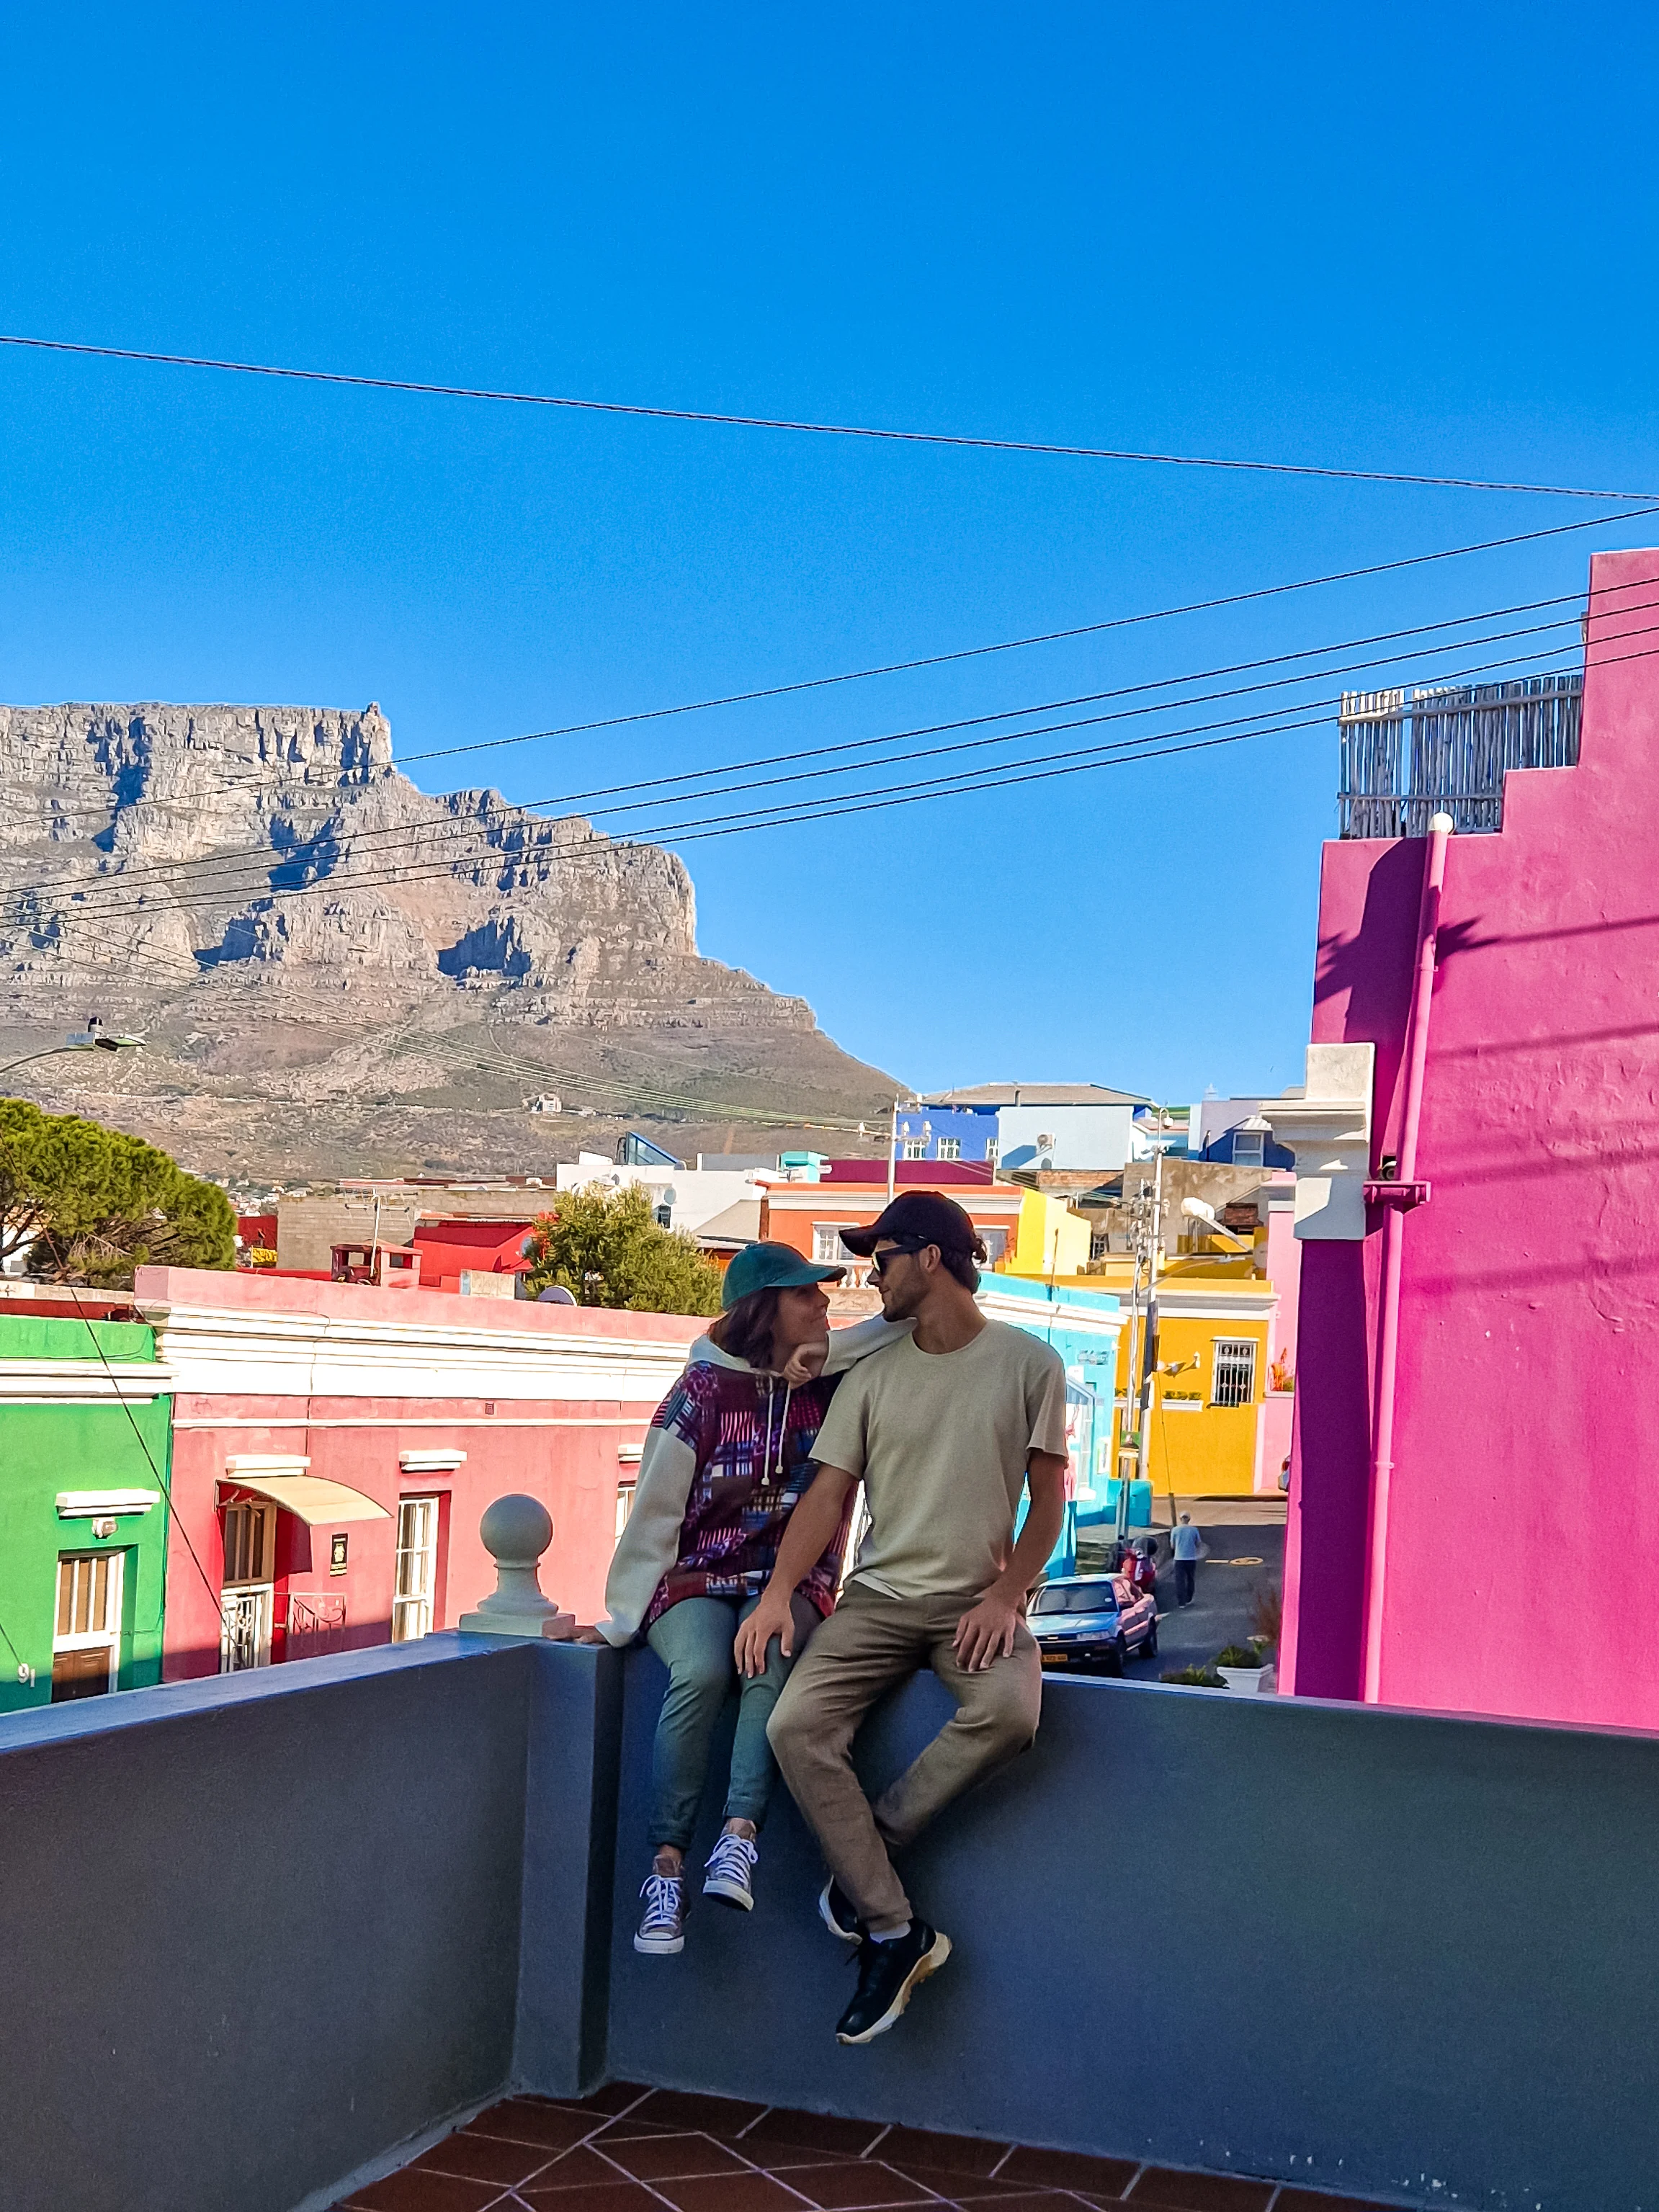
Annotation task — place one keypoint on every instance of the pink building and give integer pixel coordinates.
(334, 1445)
(1497, 1553)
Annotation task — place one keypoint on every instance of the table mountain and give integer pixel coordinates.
(340, 974)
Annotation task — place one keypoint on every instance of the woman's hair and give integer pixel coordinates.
(744, 1329)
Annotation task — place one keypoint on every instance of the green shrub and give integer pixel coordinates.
(1197, 1678)
(1239, 1654)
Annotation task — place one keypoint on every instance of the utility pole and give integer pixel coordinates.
(1149, 1363)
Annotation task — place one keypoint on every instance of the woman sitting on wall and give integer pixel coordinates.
(728, 1455)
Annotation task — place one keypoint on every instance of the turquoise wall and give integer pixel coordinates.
(46, 1448)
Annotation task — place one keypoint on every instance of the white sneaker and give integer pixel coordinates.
(730, 1873)
(663, 1928)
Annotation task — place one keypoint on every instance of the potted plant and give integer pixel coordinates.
(1241, 1667)
(1194, 1678)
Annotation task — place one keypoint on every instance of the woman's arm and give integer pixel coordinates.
(649, 1545)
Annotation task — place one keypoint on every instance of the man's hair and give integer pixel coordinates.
(961, 1264)
(745, 1329)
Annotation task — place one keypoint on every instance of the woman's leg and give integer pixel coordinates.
(693, 1640)
(754, 1770)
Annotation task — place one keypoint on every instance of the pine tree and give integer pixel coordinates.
(90, 1205)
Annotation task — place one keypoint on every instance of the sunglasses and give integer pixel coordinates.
(897, 1251)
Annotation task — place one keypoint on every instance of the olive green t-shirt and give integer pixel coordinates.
(940, 1440)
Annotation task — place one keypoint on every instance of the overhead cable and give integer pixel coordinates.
(817, 430)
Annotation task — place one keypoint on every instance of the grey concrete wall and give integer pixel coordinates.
(1370, 1951)
(254, 1933)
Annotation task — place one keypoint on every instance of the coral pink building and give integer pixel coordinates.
(1503, 1563)
(334, 1445)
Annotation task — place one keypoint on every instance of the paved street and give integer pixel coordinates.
(1219, 1613)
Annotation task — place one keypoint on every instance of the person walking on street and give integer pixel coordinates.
(727, 1458)
(945, 1430)
(1187, 1546)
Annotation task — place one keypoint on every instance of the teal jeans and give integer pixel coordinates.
(694, 1641)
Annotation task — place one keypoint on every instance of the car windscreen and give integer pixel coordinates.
(1075, 1597)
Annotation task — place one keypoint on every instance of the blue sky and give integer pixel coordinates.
(1417, 238)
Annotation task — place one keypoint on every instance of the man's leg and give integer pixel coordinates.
(995, 1719)
(868, 1643)
(1183, 1582)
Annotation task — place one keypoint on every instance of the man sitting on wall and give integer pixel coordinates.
(945, 1429)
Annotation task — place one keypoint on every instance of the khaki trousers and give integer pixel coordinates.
(867, 1644)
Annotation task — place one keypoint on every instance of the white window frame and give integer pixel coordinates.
(1232, 1378)
(105, 1638)
(624, 1505)
(913, 1148)
(1254, 1142)
(414, 1608)
(246, 1601)
(949, 1148)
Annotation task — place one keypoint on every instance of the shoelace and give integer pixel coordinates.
(732, 1855)
(662, 1894)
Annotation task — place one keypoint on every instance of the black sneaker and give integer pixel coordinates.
(887, 1974)
(835, 1911)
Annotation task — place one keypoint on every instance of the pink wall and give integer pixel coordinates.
(1285, 1273)
(562, 1448)
(1524, 1524)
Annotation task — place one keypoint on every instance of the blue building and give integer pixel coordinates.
(1083, 1327)
(946, 1133)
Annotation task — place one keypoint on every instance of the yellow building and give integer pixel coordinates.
(1208, 1424)
(1050, 1241)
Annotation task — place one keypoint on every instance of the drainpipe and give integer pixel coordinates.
(1397, 1198)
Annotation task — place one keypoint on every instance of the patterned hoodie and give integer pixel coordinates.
(727, 1458)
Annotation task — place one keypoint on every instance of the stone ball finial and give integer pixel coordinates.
(516, 1531)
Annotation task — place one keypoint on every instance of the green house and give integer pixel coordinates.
(86, 1421)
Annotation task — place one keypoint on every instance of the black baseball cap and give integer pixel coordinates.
(924, 1217)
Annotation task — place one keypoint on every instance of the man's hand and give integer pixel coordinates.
(806, 1363)
(986, 1633)
(770, 1618)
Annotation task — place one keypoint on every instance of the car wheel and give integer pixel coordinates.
(1149, 1648)
(1119, 1653)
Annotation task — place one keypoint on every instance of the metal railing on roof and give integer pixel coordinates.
(1447, 750)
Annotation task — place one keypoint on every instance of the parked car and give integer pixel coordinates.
(1093, 1619)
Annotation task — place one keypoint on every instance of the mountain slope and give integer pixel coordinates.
(340, 974)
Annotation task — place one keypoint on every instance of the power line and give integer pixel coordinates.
(817, 430)
(213, 864)
(969, 652)
(225, 878)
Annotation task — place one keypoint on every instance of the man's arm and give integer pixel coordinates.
(807, 1537)
(985, 1633)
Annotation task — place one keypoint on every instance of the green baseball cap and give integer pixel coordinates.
(771, 1267)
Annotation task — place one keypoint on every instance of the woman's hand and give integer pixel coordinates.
(806, 1363)
(770, 1618)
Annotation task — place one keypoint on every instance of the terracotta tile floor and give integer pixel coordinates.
(630, 2149)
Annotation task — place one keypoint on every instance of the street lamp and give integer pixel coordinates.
(1196, 1210)
(93, 1038)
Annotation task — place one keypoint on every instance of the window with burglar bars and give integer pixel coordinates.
(1235, 1371)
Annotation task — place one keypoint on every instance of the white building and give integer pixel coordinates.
(1056, 1125)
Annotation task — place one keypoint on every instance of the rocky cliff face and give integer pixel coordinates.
(265, 878)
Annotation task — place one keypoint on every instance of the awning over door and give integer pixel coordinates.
(309, 1496)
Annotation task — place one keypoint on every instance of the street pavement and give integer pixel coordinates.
(1243, 1559)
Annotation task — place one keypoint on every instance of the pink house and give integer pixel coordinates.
(334, 1445)
(1478, 1529)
